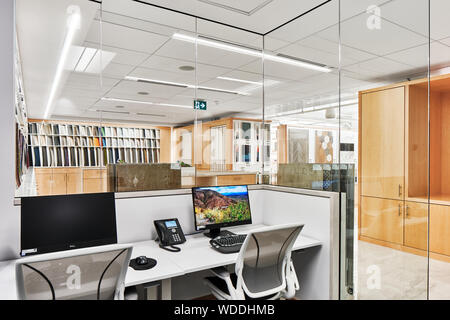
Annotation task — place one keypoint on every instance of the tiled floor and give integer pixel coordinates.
(384, 273)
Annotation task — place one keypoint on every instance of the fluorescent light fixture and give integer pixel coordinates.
(147, 102)
(73, 24)
(315, 108)
(250, 52)
(240, 80)
(184, 85)
(216, 44)
(170, 83)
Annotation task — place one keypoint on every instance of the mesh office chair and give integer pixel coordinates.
(87, 274)
(264, 269)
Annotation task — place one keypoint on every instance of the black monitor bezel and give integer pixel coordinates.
(70, 246)
(225, 224)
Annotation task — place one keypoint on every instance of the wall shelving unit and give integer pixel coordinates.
(63, 144)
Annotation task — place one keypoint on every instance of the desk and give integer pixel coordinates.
(196, 255)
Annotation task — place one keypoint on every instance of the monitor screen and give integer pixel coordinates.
(216, 207)
(54, 223)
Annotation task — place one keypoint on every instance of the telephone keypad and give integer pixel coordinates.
(176, 237)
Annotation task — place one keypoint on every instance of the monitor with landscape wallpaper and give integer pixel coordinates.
(216, 207)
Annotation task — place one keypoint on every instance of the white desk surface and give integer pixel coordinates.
(196, 255)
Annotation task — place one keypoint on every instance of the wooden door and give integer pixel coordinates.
(382, 219)
(416, 225)
(382, 143)
(439, 229)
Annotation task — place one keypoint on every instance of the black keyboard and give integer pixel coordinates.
(229, 243)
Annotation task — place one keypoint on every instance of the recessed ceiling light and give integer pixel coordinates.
(258, 83)
(184, 85)
(109, 111)
(89, 60)
(186, 68)
(146, 102)
(150, 114)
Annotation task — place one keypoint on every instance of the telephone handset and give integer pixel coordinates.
(169, 234)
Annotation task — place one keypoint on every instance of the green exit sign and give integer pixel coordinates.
(199, 105)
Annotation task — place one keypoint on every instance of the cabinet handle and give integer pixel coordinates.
(399, 209)
(399, 189)
(407, 211)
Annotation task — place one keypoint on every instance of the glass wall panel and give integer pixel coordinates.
(58, 79)
(230, 133)
(302, 105)
(384, 65)
(439, 204)
(302, 101)
(152, 95)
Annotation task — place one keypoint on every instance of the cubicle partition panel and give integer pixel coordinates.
(317, 268)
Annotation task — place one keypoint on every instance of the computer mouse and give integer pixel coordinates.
(141, 260)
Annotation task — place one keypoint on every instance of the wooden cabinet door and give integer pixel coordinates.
(382, 143)
(74, 182)
(416, 225)
(94, 180)
(382, 219)
(439, 229)
(59, 183)
(43, 181)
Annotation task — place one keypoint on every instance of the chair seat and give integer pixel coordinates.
(222, 286)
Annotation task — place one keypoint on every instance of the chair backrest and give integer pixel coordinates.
(93, 274)
(262, 261)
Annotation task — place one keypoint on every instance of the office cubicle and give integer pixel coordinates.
(285, 107)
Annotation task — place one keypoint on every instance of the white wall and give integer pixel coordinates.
(9, 215)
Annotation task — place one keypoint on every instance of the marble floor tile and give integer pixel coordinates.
(384, 273)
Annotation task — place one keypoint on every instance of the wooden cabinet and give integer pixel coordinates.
(74, 182)
(59, 182)
(404, 161)
(382, 219)
(416, 225)
(50, 182)
(54, 181)
(94, 180)
(439, 229)
(382, 143)
(44, 181)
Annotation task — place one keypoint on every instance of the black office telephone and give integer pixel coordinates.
(169, 234)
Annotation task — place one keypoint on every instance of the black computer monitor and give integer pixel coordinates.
(217, 207)
(55, 223)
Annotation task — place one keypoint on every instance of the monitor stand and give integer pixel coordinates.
(217, 232)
